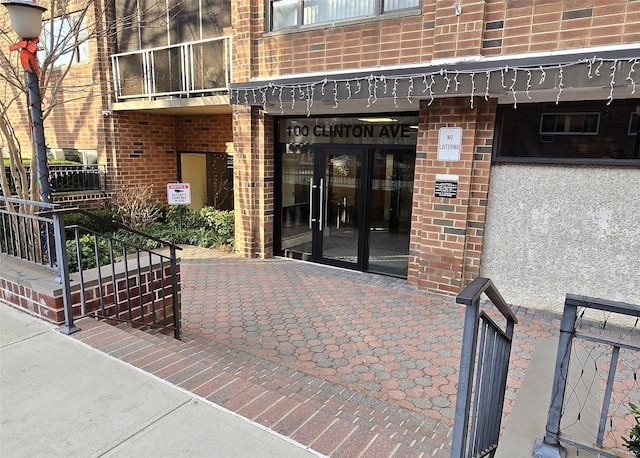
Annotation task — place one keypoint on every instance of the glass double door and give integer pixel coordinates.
(348, 207)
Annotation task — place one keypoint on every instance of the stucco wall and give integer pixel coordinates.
(553, 230)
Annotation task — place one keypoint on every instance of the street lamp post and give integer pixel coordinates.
(26, 20)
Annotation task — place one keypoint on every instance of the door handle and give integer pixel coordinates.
(321, 215)
(311, 203)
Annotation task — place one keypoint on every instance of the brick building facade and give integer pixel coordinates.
(536, 192)
(451, 65)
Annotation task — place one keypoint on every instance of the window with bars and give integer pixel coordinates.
(288, 14)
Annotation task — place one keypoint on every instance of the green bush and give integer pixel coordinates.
(88, 256)
(95, 225)
(633, 442)
(180, 216)
(208, 228)
(220, 221)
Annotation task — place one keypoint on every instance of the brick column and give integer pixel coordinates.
(447, 233)
(253, 162)
(253, 165)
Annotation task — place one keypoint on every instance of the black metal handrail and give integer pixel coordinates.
(117, 225)
(478, 413)
(113, 278)
(141, 284)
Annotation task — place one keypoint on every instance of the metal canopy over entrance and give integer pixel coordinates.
(604, 73)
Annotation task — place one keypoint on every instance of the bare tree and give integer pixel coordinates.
(70, 27)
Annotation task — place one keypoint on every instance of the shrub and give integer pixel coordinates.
(208, 228)
(181, 216)
(220, 225)
(633, 442)
(88, 256)
(95, 225)
(132, 205)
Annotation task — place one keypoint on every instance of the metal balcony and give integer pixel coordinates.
(185, 70)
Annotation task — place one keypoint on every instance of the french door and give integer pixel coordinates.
(322, 206)
(348, 207)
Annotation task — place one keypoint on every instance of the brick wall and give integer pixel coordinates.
(144, 151)
(144, 145)
(447, 233)
(544, 25)
(493, 27)
(245, 200)
(44, 305)
(204, 134)
(152, 289)
(74, 116)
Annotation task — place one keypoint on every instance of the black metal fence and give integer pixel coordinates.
(486, 348)
(102, 274)
(609, 356)
(70, 177)
(24, 233)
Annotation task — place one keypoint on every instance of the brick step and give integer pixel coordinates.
(327, 417)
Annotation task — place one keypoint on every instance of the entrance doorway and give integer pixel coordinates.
(347, 206)
(211, 178)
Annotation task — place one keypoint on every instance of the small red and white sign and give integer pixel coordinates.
(178, 193)
(449, 143)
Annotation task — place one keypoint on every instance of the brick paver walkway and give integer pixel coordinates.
(347, 363)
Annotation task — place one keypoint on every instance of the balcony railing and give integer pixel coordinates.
(70, 178)
(185, 70)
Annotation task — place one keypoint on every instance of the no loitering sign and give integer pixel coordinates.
(178, 193)
(449, 143)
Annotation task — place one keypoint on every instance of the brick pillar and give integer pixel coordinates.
(447, 233)
(253, 165)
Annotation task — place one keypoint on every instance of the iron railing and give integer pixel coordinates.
(76, 178)
(486, 348)
(102, 274)
(24, 233)
(70, 177)
(183, 70)
(550, 446)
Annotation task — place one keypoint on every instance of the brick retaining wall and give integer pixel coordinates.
(34, 290)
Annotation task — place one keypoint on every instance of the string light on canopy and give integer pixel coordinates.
(518, 81)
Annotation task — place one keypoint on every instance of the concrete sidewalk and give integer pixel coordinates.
(59, 397)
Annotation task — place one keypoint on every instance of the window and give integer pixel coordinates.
(569, 123)
(66, 39)
(157, 23)
(287, 14)
(567, 132)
